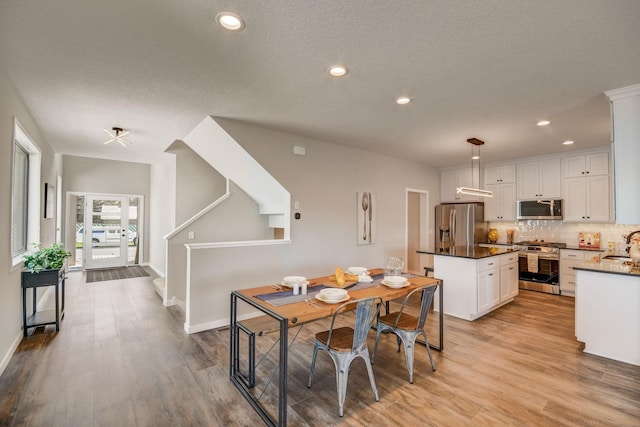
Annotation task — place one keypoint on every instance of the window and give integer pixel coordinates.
(20, 200)
(25, 194)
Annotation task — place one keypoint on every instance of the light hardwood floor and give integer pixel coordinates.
(122, 359)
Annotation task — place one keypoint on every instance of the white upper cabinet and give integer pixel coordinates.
(450, 180)
(625, 134)
(586, 188)
(590, 164)
(500, 174)
(540, 178)
(502, 206)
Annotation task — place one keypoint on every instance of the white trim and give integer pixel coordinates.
(199, 214)
(623, 92)
(235, 244)
(21, 137)
(215, 324)
(7, 357)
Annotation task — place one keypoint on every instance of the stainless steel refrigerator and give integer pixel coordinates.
(459, 224)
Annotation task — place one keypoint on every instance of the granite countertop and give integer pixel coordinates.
(473, 252)
(577, 248)
(610, 267)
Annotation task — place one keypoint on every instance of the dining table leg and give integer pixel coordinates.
(234, 359)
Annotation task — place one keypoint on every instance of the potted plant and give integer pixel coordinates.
(49, 258)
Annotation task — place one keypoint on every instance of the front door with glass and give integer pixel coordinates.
(106, 229)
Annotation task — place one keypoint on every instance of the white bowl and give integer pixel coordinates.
(395, 280)
(357, 270)
(333, 293)
(291, 280)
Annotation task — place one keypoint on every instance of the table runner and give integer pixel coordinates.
(287, 297)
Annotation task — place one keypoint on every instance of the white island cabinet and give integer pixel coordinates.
(474, 287)
(608, 313)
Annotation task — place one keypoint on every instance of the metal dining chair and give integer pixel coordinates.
(407, 327)
(345, 343)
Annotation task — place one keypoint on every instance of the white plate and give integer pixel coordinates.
(290, 284)
(396, 286)
(320, 297)
(292, 279)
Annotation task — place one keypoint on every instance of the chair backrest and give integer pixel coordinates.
(367, 310)
(425, 304)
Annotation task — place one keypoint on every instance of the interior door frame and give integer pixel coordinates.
(423, 230)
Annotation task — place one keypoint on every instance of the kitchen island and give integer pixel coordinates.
(478, 279)
(608, 309)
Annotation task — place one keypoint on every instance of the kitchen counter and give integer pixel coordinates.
(578, 248)
(608, 310)
(472, 252)
(610, 267)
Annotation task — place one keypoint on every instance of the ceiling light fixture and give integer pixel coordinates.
(475, 155)
(230, 21)
(543, 123)
(567, 143)
(338, 70)
(403, 100)
(117, 135)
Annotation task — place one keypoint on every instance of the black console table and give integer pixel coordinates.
(35, 280)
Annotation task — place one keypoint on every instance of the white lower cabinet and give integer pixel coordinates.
(473, 288)
(570, 258)
(488, 289)
(508, 276)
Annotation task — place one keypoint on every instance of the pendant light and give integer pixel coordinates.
(475, 158)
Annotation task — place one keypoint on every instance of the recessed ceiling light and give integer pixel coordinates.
(475, 157)
(230, 21)
(567, 143)
(403, 100)
(338, 70)
(543, 123)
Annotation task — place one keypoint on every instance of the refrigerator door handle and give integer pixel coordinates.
(452, 226)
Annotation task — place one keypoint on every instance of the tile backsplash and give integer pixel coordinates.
(558, 231)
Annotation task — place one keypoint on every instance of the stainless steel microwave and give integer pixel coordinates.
(539, 209)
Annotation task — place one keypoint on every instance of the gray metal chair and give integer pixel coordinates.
(344, 344)
(407, 327)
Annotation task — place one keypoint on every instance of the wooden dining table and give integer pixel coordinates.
(293, 311)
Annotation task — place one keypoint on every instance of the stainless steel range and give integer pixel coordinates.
(539, 266)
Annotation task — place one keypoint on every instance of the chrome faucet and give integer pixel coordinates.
(630, 235)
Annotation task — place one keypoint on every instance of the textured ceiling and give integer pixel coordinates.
(487, 69)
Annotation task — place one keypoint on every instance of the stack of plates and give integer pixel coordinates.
(290, 281)
(395, 282)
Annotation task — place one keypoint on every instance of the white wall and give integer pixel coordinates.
(162, 210)
(89, 175)
(11, 105)
(324, 183)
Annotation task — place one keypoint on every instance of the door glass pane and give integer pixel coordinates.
(77, 212)
(132, 232)
(106, 233)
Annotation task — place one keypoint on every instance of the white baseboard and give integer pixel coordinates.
(154, 268)
(215, 324)
(9, 354)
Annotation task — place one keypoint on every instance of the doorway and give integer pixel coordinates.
(417, 229)
(107, 230)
